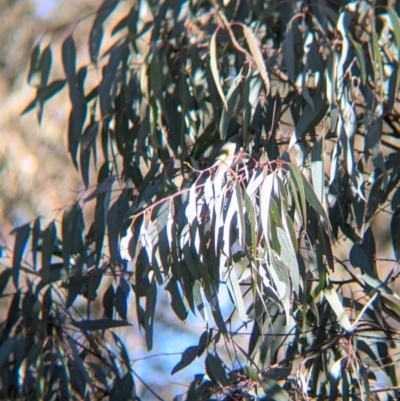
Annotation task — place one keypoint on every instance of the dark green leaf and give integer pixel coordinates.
(45, 65)
(100, 324)
(50, 90)
(69, 59)
(49, 239)
(34, 64)
(96, 33)
(121, 305)
(176, 300)
(108, 302)
(151, 300)
(273, 390)
(188, 356)
(21, 240)
(215, 370)
(29, 107)
(4, 277)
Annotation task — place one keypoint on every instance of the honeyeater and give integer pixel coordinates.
(232, 147)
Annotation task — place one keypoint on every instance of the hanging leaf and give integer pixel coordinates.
(257, 56)
(337, 307)
(100, 324)
(273, 390)
(21, 239)
(151, 299)
(96, 33)
(214, 66)
(188, 356)
(215, 370)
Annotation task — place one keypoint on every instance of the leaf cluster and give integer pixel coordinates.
(311, 91)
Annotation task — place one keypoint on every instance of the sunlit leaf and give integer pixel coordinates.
(337, 307)
(214, 66)
(257, 56)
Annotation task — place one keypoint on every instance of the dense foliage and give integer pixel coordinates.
(289, 225)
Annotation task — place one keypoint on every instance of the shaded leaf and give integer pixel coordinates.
(151, 300)
(99, 324)
(273, 390)
(96, 33)
(215, 370)
(188, 356)
(21, 239)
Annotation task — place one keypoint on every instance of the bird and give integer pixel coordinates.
(232, 147)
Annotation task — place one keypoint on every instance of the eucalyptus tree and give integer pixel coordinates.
(246, 148)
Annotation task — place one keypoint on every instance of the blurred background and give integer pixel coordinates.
(38, 178)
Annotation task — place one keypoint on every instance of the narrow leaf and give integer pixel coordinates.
(214, 66)
(188, 356)
(100, 324)
(21, 240)
(334, 301)
(257, 56)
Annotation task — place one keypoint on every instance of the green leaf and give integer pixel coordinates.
(231, 99)
(76, 361)
(235, 292)
(69, 60)
(288, 255)
(358, 258)
(49, 240)
(89, 136)
(334, 301)
(7, 349)
(215, 370)
(317, 169)
(312, 199)
(121, 304)
(21, 240)
(50, 90)
(361, 60)
(73, 226)
(188, 356)
(273, 390)
(108, 302)
(377, 63)
(4, 277)
(176, 300)
(45, 65)
(299, 186)
(395, 26)
(310, 118)
(122, 351)
(123, 389)
(36, 234)
(34, 64)
(288, 52)
(257, 56)
(214, 66)
(151, 300)
(29, 107)
(96, 33)
(99, 324)
(278, 373)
